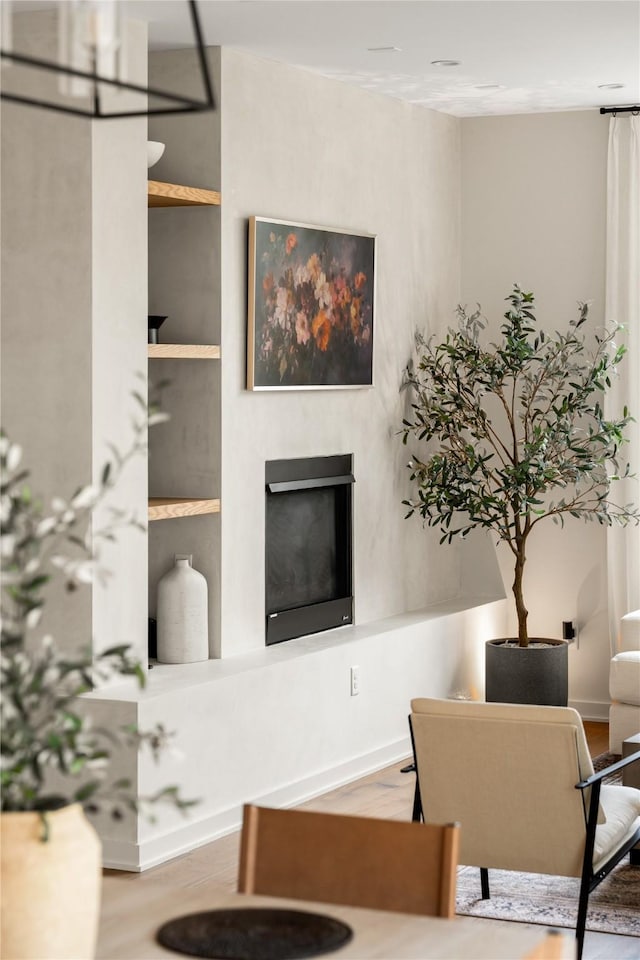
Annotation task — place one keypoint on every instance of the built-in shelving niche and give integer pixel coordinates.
(161, 194)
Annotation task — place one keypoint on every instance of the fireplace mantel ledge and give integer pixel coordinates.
(165, 678)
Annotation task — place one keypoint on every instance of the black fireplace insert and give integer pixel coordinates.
(308, 546)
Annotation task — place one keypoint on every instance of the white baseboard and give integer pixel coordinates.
(592, 709)
(119, 855)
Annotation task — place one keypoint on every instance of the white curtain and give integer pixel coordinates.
(623, 306)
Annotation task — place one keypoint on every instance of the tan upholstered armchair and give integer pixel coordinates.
(520, 782)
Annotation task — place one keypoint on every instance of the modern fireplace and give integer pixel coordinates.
(308, 546)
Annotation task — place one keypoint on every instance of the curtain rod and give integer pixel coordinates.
(634, 109)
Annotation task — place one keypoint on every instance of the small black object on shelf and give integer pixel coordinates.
(153, 639)
(153, 326)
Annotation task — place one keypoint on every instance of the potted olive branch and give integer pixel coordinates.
(54, 760)
(514, 434)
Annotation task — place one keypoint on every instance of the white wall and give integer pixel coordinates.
(278, 724)
(533, 211)
(73, 311)
(119, 359)
(299, 147)
(46, 306)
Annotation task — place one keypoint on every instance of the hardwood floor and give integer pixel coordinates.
(597, 737)
(386, 793)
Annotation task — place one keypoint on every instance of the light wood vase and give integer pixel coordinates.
(50, 903)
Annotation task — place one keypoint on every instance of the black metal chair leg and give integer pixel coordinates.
(416, 815)
(484, 883)
(586, 881)
(583, 903)
(634, 856)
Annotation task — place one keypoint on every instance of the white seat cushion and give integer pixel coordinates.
(621, 806)
(624, 677)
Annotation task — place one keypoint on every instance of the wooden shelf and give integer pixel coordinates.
(183, 351)
(176, 195)
(168, 508)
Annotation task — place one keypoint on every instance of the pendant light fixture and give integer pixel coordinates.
(92, 69)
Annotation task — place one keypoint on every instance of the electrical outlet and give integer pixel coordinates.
(355, 681)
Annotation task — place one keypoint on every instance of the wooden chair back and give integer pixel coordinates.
(355, 861)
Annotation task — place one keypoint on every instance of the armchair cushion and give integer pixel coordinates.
(471, 756)
(624, 677)
(629, 638)
(621, 806)
(516, 713)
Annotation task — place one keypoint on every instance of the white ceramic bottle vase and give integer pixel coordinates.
(183, 635)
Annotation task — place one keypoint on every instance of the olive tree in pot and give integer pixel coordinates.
(515, 434)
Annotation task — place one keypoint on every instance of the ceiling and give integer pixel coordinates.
(542, 55)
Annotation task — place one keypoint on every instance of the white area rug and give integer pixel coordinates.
(614, 906)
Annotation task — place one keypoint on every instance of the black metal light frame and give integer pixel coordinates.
(183, 104)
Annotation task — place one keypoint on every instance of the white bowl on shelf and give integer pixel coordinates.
(155, 149)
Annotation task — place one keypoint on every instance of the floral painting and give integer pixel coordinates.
(311, 304)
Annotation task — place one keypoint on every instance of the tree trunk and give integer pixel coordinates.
(521, 610)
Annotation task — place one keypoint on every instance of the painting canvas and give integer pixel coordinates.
(311, 307)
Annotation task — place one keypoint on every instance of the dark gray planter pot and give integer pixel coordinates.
(527, 674)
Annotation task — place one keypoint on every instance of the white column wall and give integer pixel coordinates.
(46, 307)
(533, 211)
(119, 358)
(299, 147)
(73, 322)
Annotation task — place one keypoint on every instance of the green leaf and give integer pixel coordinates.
(86, 791)
(510, 425)
(122, 784)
